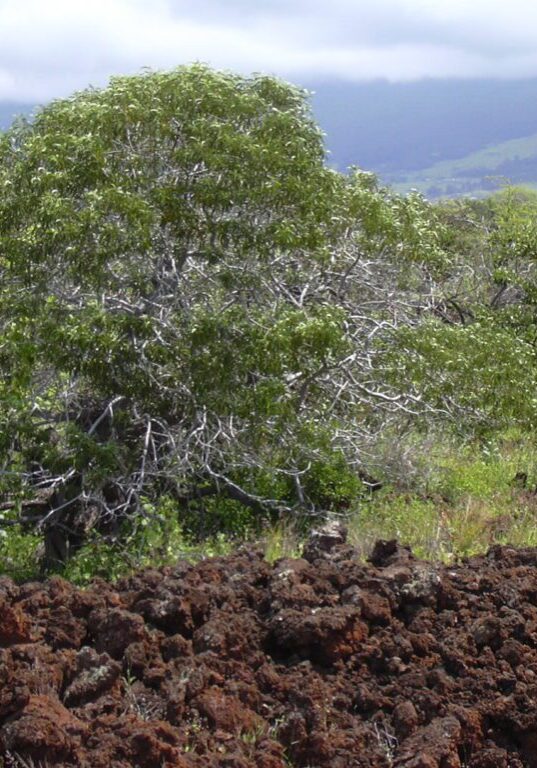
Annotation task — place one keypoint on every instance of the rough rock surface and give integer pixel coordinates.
(320, 661)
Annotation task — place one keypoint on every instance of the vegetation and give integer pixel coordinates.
(466, 498)
(478, 173)
(206, 333)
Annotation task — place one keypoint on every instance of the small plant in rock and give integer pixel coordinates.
(386, 740)
(139, 703)
(251, 738)
(282, 540)
(15, 760)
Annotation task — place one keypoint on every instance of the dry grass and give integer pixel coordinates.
(436, 530)
(14, 760)
(282, 540)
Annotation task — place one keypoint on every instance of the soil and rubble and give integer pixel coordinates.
(312, 662)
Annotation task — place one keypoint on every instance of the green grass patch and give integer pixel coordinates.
(475, 496)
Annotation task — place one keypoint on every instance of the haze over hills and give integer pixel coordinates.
(410, 133)
(443, 137)
(393, 127)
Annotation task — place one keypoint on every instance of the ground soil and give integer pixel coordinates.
(319, 661)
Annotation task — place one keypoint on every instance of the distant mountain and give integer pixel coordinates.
(393, 127)
(443, 137)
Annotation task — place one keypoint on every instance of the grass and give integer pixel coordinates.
(282, 540)
(475, 496)
(444, 499)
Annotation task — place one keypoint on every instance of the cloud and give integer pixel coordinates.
(50, 49)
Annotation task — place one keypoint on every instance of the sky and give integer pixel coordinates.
(50, 49)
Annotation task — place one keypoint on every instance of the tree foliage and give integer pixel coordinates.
(194, 307)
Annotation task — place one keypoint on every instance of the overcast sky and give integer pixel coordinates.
(51, 47)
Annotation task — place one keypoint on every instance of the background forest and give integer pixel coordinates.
(208, 336)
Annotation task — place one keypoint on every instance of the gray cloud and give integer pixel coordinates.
(49, 49)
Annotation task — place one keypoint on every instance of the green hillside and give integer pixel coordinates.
(476, 174)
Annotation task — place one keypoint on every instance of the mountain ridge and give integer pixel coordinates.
(394, 127)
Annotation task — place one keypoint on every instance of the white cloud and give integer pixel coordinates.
(49, 49)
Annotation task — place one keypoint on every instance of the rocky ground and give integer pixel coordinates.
(320, 661)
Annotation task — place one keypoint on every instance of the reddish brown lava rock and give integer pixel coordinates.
(14, 691)
(433, 747)
(43, 727)
(226, 713)
(95, 673)
(14, 627)
(405, 719)
(114, 630)
(320, 661)
(324, 635)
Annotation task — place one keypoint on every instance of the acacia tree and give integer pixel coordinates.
(193, 304)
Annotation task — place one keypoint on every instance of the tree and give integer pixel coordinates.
(193, 305)
(475, 356)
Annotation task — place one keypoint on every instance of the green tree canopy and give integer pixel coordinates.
(139, 227)
(193, 305)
